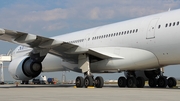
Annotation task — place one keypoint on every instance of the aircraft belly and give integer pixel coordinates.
(52, 63)
(134, 59)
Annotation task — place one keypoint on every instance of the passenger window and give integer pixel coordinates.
(127, 32)
(159, 26)
(119, 33)
(166, 25)
(133, 31)
(174, 24)
(178, 23)
(169, 24)
(130, 31)
(136, 30)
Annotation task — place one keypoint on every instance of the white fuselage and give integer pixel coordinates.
(144, 43)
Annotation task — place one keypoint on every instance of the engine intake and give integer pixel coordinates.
(31, 68)
(24, 68)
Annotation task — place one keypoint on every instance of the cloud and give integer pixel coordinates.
(48, 15)
(55, 26)
(70, 15)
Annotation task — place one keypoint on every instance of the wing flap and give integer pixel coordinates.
(105, 52)
(26, 38)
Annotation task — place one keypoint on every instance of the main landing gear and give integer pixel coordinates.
(131, 82)
(89, 81)
(155, 79)
(84, 65)
(162, 82)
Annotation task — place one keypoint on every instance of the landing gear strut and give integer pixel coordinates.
(162, 81)
(84, 65)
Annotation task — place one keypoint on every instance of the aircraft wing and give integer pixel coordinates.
(53, 46)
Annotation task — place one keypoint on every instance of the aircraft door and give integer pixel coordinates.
(151, 29)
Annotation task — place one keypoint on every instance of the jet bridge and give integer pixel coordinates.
(4, 58)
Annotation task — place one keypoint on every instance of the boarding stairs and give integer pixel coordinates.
(4, 58)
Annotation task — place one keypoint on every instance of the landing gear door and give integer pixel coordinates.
(151, 29)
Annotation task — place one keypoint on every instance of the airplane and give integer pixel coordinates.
(139, 47)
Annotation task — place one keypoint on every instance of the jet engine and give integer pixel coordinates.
(24, 68)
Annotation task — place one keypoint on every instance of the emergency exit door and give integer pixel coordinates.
(151, 29)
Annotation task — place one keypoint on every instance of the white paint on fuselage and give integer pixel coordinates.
(160, 44)
(165, 45)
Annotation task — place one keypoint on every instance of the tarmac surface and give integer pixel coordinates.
(69, 93)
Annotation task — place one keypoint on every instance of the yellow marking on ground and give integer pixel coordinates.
(175, 87)
(90, 87)
(87, 87)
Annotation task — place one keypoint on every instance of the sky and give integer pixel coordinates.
(54, 17)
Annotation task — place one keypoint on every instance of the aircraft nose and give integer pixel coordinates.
(2, 31)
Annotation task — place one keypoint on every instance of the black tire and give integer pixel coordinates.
(171, 82)
(22, 82)
(99, 82)
(79, 82)
(140, 82)
(131, 82)
(26, 82)
(152, 82)
(122, 82)
(162, 82)
(88, 81)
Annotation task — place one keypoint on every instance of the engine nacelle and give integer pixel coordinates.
(24, 68)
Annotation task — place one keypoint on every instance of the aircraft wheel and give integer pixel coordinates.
(152, 82)
(162, 82)
(140, 82)
(22, 82)
(26, 82)
(79, 82)
(122, 82)
(99, 82)
(88, 81)
(131, 82)
(171, 82)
